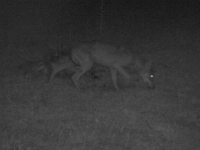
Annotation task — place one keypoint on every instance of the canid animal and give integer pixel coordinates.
(117, 58)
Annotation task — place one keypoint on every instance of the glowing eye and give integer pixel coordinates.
(151, 76)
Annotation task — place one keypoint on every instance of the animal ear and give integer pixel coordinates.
(151, 66)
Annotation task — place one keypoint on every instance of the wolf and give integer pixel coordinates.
(117, 58)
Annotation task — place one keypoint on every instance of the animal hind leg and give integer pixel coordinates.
(114, 77)
(85, 66)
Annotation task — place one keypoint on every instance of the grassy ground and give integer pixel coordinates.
(55, 116)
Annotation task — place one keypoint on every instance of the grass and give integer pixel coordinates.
(36, 114)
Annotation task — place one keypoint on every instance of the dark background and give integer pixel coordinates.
(77, 20)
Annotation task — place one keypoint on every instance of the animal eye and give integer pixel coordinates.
(151, 76)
